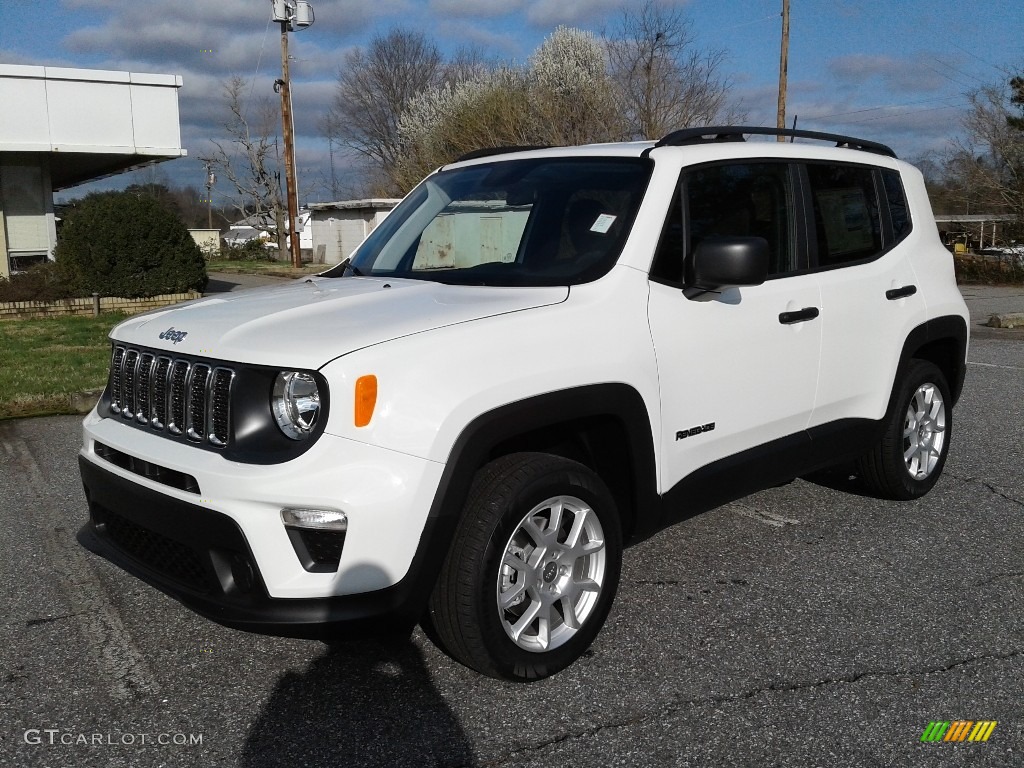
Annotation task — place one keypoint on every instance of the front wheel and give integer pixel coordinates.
(533, 570)
(908, 459)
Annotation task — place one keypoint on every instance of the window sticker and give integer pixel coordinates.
(844, 213)
(603, 223)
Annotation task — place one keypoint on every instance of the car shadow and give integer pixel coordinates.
(220, 285)
(844, 477)
(363, 703)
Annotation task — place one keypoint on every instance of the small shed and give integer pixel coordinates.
(208, 240)
(341, 226)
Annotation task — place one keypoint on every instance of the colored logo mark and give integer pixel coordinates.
(959, 730)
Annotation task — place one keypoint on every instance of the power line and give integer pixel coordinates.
(886, 106)
(943, 74)
(909, 112)
(256, 73)
(958, 71)
(976, 56)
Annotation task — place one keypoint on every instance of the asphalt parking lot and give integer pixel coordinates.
(807, 625)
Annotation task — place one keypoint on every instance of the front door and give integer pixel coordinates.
(737, 369)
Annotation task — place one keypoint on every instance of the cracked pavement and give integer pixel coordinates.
(807, 625)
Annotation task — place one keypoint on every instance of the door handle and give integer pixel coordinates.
(900, 293)
(799, 316)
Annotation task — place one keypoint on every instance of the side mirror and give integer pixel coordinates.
(725, 262)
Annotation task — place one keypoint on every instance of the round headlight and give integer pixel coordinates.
(296, 404)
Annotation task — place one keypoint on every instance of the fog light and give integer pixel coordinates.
(315, 519)
(317, 536)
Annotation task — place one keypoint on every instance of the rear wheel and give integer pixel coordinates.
(908, 459)
(533, 569)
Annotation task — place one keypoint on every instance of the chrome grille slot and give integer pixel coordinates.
(129, 371)
(175, 396)
(195, 417)
(144, 380)
(219, 420)
(177, 381)
(116, 387)
(159, 417)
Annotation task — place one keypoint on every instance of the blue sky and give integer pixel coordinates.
(892, 71)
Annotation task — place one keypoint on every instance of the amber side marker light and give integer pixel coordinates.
(366, 399)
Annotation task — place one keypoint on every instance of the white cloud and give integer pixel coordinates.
(494, 44)
(476, 8)
(920, 73)
(549, 13)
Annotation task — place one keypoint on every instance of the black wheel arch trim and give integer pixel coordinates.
(481, 436)
(487, 431)
(950, 328)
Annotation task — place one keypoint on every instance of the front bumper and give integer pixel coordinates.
(201, 558)
(208, 531)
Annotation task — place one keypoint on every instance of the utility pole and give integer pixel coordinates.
(289, 149)
(211, 179)
(783, 68)
(291, 14)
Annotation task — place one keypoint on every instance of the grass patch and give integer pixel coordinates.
(270, 268)
(44, 361)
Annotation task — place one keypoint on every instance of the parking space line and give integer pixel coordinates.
(993, 365)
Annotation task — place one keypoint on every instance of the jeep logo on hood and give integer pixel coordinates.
(173, 336)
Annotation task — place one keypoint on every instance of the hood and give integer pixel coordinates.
(308, 323)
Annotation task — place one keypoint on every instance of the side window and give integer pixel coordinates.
(730, 200)
(846, 216)
(899, 213)
(668, 260)
(743, 200)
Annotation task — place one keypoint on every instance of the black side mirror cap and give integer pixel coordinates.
(726, 262)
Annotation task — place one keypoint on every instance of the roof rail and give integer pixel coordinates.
(476, 154)
(736, 133)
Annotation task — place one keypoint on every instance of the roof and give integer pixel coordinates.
(92, 123)
(713, 142)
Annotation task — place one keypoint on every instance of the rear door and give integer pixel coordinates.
(869, 296)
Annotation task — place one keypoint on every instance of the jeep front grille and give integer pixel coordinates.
(172, 395)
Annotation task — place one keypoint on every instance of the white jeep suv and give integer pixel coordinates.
(539, 356)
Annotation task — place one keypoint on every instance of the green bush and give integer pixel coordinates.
(44, 282)
(127, 244)
(250, 250)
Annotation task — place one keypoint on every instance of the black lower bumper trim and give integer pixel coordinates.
(201, 558)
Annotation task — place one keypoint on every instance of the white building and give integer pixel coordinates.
(244, 230)
(61, 127)
(339, 227)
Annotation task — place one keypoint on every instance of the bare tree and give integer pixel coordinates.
(374, 86)
(664, 81)
(989, 160)
(251, 161)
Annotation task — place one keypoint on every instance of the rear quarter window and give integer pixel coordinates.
(846, 214)
(899, 212)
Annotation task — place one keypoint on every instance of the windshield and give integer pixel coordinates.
(550, 221)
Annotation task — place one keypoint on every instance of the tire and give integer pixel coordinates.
(908, 459)
(533, 569)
